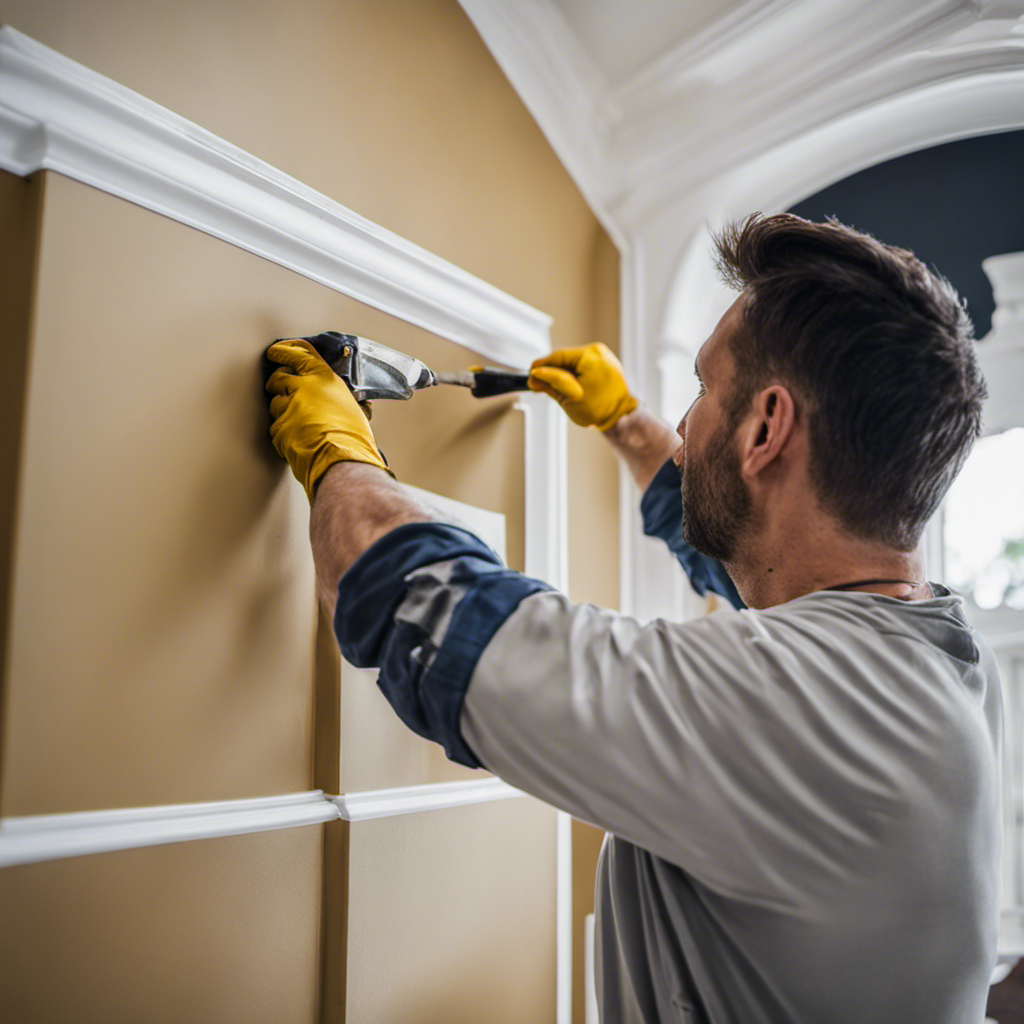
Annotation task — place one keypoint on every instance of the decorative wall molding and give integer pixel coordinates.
(590, 1011)
(386, 803)
(664, 77)
(547, 499)
(54, 836)
(547, 558)
(57, 115)
(734, 103)
(24, 840)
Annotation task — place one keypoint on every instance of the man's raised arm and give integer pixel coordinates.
(589, 384)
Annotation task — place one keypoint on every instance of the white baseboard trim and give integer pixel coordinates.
(54, 836)
(386, 803)
(58, 115)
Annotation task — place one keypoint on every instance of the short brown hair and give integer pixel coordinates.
(879, 348)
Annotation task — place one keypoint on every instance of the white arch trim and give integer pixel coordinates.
(932, 114)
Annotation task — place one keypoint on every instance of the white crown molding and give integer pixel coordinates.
(386, 803)
(658, 81)
(669, 151)
(722, 97)
(54, 836)
(57, 115)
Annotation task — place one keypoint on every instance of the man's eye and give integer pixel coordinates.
(701, 390)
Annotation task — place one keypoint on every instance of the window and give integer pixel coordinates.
(984, 524)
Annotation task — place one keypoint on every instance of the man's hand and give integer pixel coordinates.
(316, 420)
(587, 382)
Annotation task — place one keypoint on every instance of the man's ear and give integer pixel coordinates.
(768, 428)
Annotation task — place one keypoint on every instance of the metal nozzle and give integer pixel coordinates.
(370, 369)
(461, 378)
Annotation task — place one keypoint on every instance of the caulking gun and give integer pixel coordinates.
(372, 370)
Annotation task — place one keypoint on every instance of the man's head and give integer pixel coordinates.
(862, 344)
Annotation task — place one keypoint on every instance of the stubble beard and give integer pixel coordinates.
(716, 503)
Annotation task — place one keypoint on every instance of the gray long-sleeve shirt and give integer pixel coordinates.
(802, 802)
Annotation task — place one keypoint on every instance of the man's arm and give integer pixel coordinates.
(355, 505)
(590, 385)
(406, 592)
(644, 442)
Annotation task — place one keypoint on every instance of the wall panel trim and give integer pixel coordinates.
(58, 115)
(385, 803)
(53, 836)
(37, 837)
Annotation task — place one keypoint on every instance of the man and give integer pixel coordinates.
(802, 797)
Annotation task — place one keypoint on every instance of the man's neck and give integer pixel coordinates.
(771, 570)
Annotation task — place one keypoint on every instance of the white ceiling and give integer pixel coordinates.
(647, 100)
(624, 38)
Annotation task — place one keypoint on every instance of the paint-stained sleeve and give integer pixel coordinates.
(662, 511)
(421, 604)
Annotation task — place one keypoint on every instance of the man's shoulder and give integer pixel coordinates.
(835, 624)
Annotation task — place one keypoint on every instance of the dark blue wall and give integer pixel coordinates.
(953, 205)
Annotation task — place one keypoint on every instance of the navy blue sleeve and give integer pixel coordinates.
(662, 511)
(421, 604)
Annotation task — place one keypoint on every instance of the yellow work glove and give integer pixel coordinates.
(316, 420)
(587, 382)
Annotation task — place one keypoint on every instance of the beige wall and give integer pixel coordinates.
(20, 210)
(453, 917)
(164, 642)
(217, 930)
